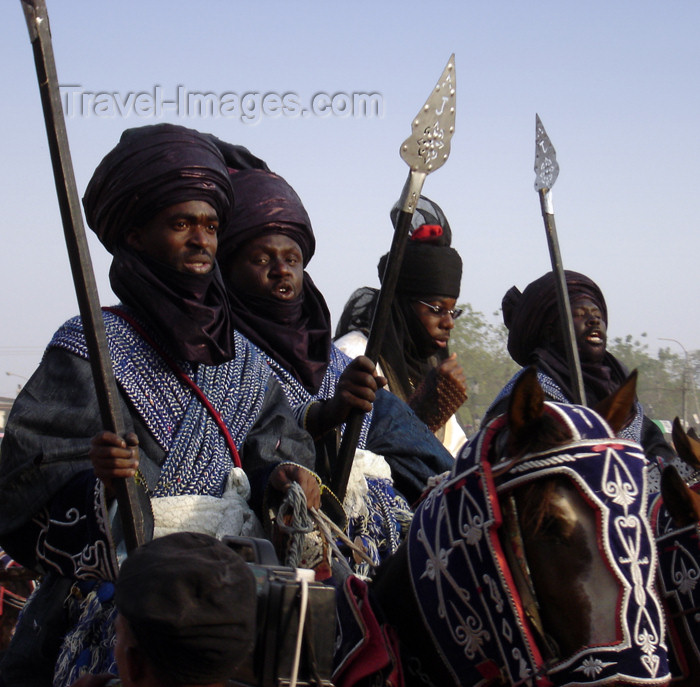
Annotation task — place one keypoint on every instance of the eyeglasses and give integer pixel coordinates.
(441, 312)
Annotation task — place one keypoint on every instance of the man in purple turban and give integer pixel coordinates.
(275, 303)
(192, 390)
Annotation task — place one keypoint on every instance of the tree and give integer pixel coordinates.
(666, 385)
(481, 348)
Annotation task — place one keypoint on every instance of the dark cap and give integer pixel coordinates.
(190, 602)
(430, 266)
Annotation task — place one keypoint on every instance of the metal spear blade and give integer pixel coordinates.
(425, 150)
(428, 146)
(546, 166)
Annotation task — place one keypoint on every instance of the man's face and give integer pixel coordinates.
(439, 325)
(182, 236)
(271, 265)
(590, 330)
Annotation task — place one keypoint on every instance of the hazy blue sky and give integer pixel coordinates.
(615, 83)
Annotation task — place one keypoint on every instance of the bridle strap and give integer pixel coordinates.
(514, 550)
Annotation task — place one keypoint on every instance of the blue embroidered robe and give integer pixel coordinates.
(53, 515)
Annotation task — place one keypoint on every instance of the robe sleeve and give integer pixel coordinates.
(412, 451)
(276, 437)
(53, 514)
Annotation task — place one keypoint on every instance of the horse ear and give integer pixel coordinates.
(526, 401)
(682, 503)
(687, 448)
(618, 408)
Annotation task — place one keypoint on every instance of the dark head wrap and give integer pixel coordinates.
(151, 168)
(528, 314)
(236, 156)
(268, 205)
(430, 267)
(296, 334)
(190, 602)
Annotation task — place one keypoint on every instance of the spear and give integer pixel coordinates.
(78, 253)
(424, 151)
(546, 173)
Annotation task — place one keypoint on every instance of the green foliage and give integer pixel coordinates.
(481, 347)
(666, 385)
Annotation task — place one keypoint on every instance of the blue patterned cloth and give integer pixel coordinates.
(198, 459)
(383, 527)
(53, 515)
(299, 398)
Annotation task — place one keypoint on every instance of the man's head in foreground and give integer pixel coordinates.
(186, 607)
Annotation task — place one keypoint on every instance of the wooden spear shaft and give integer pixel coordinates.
(78, 253)
(426, 150)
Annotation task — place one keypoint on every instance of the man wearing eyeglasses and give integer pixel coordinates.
(414, 356)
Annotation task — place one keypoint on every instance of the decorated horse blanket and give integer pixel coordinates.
(465, 589)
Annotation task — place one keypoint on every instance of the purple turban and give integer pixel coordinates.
(268, 204)
(150, 169)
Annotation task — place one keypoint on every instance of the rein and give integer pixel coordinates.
(514, 550)
(185, 379)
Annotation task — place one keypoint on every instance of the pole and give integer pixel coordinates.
(81, 266)
(426, 150)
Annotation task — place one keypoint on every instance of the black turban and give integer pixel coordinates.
(151, 168)
(430, 267)
(190, 602)
(527, 314)
(270, 205)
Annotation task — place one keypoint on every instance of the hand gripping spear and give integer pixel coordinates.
(81, 266)
(546, 173)
(424, 151)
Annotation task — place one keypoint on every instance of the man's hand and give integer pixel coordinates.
(450, 369)
(113, 457)
(284, 475)
(356, 390)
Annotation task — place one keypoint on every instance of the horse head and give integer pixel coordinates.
(675, 518)
(552, 528)
(533, 562)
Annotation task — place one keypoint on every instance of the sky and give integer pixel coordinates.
(614, 83)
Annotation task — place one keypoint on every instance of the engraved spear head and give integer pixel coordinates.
(546, 167)
(428, 146)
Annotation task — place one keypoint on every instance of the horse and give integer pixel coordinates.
(675, 518)
(533, 562)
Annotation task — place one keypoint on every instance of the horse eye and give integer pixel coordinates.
(554, 529)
